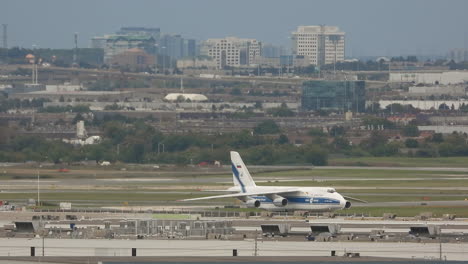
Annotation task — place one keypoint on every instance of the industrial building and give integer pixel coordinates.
(321, 44)
(341, 96)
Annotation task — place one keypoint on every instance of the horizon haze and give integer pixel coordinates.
(373, 27)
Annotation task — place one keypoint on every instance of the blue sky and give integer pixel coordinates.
(373, 27)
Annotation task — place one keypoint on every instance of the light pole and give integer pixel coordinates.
(38, 189)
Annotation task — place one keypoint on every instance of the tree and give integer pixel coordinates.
(410, 131)
(337, 131)
(437, 137)
(282, 111)
(283, 139)
(341, 143)
(267, 127)
(316, 155)
(411, 143)
(316, 132)
(444, 106)
(258, 105)
(180, 99)
(376, 139)
(236, 91)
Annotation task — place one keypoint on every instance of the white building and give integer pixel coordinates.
(445, 78)
(232, 51)
(423, 91)
(458, 55)
(322, 44)
(183, 96)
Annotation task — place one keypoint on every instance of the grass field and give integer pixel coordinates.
(362, 173)
(371, 184)
(406, 211)
(453, 162)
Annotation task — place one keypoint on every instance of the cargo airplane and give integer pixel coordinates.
(276, 198)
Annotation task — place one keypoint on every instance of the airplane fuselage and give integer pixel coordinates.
(316, 199)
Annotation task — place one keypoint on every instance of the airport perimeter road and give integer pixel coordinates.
(105, 247)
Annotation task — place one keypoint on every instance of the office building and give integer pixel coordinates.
(116, 44)
(140, 31)
(232, 51)
(190, 48)
(98, 42)
(273, 51)
(171, 46)
(339, 96)
(135, 59)
(321, 44)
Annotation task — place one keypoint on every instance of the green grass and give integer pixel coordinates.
(402, 198)
(361, 173)
(371, 183)
(102, 196)
(405, 191)
(461, 162)
(406, 211)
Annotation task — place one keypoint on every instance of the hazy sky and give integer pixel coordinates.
(373, 27)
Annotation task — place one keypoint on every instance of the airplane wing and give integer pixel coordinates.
(354, 199)
(237, 195)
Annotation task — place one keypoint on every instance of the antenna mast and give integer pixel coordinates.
(75, 52)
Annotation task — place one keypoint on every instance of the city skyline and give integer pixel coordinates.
(373, 28)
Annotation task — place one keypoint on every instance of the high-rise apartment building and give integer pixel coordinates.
(232, 51)
(458, 55)
(321, 44)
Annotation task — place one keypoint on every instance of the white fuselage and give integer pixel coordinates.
(317, 199)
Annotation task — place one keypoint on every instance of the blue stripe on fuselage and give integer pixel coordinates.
(236, 174)
(304, 199)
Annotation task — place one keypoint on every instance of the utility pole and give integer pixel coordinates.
(256, 246)
(440, 248)
(38, 189)
(75, 51)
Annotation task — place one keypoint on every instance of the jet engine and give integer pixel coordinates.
(253, 203)
(280, 202)
(347, 205)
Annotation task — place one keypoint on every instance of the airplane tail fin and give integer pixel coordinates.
(240, 174)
